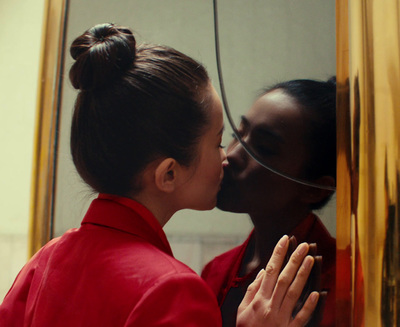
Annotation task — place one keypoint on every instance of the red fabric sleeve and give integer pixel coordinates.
(16, 304)
(177, 300)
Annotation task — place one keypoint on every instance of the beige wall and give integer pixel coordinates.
(19, 63)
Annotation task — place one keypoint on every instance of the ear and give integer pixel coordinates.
(314, 194)
(165, 175)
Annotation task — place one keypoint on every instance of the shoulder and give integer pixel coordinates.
(219, 271)
(162, 288)
(139, 253)
(15, 301)
(131, 267)
(326, 243)
(223, 261)
(35, 263)
(181, 300)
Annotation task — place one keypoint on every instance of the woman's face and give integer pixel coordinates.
(205, 174)
(275, 129)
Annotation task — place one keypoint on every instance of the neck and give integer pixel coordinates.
(159, 206)
(267, 232)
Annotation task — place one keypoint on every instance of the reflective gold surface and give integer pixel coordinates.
(375, 134)
(42, 198)
(343, 196)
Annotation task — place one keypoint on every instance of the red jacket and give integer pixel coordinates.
(221, 274)
(117, 269)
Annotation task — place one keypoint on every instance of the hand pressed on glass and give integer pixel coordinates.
(313, 283)
(272, 297)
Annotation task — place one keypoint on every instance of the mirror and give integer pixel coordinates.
(305, 31)
(262, 42)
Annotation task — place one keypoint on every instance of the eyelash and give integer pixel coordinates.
(221, 146)
(240, 134)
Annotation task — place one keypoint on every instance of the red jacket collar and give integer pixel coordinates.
(128, 216)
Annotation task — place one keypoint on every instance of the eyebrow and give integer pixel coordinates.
(262, 130)
(221, 130)
(244, 120)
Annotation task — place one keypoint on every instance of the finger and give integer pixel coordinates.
(313, 282)
(291, 297)
(322, 299)
(292, 244)
(290, 274)
(315, 276)
(291, 248)
(306, 312)
(313, 249)
(317, 314)
(253, 289)
(273, 267)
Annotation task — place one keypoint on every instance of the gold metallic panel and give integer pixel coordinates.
(343, 196)
(375, 135)
(42, 197)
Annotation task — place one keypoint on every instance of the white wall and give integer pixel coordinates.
(19, 63)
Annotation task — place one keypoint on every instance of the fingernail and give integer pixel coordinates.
(283, 241)
(260, 273)
(302, 249)
(314, 297)
(308, 262)
(318, 258)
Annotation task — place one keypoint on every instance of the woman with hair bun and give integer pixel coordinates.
(145, 135)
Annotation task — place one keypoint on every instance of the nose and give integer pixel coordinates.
(223, 154)
(236, 154)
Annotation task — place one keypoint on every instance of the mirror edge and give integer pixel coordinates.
(46, 124)
(343, 160)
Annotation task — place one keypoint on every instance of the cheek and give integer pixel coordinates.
(215, 165)
(259, 183)
(210, 171)
(254, 174)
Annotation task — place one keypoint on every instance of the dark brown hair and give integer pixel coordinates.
(135, 105)
(318, 100)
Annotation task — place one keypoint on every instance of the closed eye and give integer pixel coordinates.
(265, 151)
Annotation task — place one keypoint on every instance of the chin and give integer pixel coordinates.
(206, 206)
(226, 204)
(223, 200)
(212, 204)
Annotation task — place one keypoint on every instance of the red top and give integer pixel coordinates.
(117, 269)
(222, 273)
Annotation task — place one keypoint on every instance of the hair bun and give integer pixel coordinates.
(102, 53)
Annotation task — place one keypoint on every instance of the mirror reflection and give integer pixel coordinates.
(261, 44)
